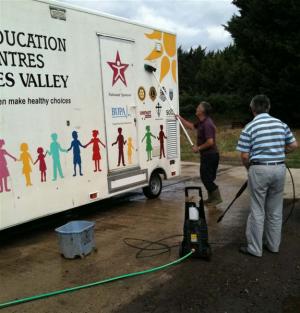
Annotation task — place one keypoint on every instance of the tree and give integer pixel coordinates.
(267, 35)
(189, 63)
(219, 77)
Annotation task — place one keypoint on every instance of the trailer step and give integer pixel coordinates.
(126, 179)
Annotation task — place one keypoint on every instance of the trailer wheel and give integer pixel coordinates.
(154, 188)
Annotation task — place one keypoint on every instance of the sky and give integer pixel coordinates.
(196, 22)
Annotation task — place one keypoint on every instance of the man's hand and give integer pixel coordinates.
(185, 123)
(245, 159)
(291, 147)
(195, 149)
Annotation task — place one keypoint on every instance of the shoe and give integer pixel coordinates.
(214, 198)
(269, 250)
(208, 200)
(244, 250)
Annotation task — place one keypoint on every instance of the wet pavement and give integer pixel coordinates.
(30, 263)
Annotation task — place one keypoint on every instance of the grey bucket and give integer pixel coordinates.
(76, 238)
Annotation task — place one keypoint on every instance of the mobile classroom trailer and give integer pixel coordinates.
(81, 119)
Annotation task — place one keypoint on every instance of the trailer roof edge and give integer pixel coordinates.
(99, 13)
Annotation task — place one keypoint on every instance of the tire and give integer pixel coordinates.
(154, 188)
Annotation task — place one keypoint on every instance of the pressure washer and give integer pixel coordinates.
(195, 231)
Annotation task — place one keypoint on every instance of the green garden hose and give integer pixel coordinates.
(101, 282)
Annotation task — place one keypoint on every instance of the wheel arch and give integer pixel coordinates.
(160, 171)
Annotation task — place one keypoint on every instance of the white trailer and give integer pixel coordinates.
(81, 119)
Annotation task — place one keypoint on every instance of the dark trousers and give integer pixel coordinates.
(208, 170)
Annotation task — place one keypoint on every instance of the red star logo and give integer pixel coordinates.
(119, 69)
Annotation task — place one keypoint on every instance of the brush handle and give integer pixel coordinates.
(171, 106)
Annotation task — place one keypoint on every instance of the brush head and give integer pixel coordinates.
(149, 68)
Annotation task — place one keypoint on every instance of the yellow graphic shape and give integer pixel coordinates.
(155, 35)
(167, 53)
(164, 67)
(170, 44)
(174, 70)
(154, 55)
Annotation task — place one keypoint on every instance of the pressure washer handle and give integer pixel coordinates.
(186, 190)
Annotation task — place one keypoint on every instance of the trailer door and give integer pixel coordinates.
(118, 86)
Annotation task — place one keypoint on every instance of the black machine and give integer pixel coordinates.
(195, 232)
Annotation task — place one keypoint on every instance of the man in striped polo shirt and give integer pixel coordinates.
(263, 144)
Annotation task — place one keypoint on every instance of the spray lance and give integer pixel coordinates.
(151, 69)
(242, 189)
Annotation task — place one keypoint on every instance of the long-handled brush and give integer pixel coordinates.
(151, 69)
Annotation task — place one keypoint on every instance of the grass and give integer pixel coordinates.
(227, 139)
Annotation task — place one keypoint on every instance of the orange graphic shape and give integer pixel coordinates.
(155, 35)
(154, 55)
(174, 70)
(164, 67)
(170, 44)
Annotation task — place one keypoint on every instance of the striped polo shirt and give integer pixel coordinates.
(265, 138)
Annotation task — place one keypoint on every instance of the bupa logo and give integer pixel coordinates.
(118, 112)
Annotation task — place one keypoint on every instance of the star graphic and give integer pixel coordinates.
(119, 69)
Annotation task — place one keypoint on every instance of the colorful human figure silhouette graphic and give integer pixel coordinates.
(55, 150)
(96, 149)
(4, 173)
(130, 149)
(121, 143)
(149, 147)
(161, 137)
(42, 163)
(75, 145)
(26, 159)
